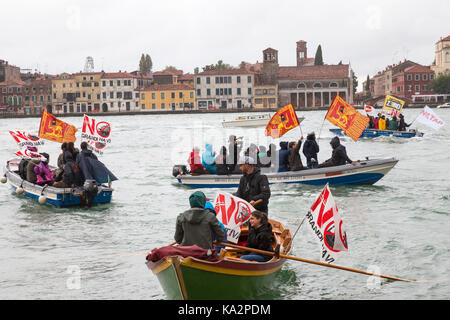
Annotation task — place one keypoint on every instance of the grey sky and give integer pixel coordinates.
(57, 36)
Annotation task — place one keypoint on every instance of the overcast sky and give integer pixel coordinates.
(57, 36)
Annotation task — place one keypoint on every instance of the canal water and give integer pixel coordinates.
(398, 227)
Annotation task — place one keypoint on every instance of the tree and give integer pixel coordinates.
(170, 68)
(145, 64)
(318, 61)
(196, 70)
(367, 88)
(218, 66)
(441, 84)
(355, 82)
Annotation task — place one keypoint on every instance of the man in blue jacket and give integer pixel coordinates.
(283, 157)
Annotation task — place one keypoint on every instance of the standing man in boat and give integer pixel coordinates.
(234, 149)
(197, 226)
(253, 185)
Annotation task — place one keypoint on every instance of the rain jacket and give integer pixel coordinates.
(295, 161)
(197, 226)
(283, 157)
(93, 169)
(43, 173)
(310, 150)
(339, 155)
(208, 160)
(260, 238)
(255, 186)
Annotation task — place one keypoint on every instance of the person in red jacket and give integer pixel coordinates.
(195, 162)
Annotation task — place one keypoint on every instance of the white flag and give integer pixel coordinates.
(96, 133)
(233, 212)
(326, 224)
(429, 118)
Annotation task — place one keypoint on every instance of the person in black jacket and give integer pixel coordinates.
(339, 155)
(294, 159)
(222, 168)
(259, 237)
(283, 157)
(234, 149)
(253, 185)
(402, 124)
(310, 150)
(71, 176)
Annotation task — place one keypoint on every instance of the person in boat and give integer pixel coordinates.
(198, 226)
(294, 159)
(71, 148)
(371, 124)
(375, 121)
(253, 185)
(283, 157)
(222, 168)
(273, 155)
(208, 159)
(31, 174)
(253, 151)
(57, 175)
(91, 168)
(264, 157)
(43, 172)
(259, 237)
(339, 155)
(210, 208)
(234, 149)
(382, 123)
(310, 150)
(393, 124)
(23, 164)
(195, 162)
(71, 176)
(401, 123)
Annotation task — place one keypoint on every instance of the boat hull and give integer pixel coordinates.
(365, 172)
(250, 122)
(372, 133)
(60, 197)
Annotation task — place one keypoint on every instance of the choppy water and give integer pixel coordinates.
(397, 227)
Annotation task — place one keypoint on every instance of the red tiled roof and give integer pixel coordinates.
(225, 72)
(168, 87)
(314, 72)
(418, 68)
(168, 73)
(445, 39)
(13, 83)
(114, 75)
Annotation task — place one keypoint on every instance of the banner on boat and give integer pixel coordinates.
(53, 129)
(24, 139)
(284, 120)
(326, 225)
(96, 133)
(232, 212)
(28, 154)
(368, 109)
(344, 116)
(429, 118)
(392, 105)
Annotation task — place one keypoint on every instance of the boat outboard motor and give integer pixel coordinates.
(90, 191)
(179, 169)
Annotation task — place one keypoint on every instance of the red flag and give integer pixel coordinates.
(283, 121)
(53, 129)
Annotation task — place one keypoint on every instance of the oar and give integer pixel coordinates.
(267, 253)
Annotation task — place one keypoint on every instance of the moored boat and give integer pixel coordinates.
(228, 277)
(367, 171)
(374, 133)
(250, 121)
(61, 197)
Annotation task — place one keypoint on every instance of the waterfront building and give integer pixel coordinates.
(167, 97)
(119, 92)
(442, 56)
(9, 72)
(224, 89)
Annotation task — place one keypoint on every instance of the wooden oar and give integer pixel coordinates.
(267, 253)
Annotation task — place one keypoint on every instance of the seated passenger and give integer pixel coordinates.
(339, 155)
(222, 168)
(43, 171)
(208, 160)
(382, 123)
(57, 175)
(195, 163)
(71, 176)
(393, 125)
(24, 163)
(31, 175)
(259, 237)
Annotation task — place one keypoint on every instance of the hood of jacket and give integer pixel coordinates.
(284, 145)
(197, 200)
(208, 147)
(335, 142)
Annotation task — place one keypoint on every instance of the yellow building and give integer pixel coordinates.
(266, 96)
(78, 92)
(167, 97)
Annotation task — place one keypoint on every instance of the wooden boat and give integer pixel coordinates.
(228, 278)
(367, 171)
(61, 197)
(251, 121)
(374, 133)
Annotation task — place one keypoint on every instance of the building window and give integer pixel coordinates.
(301, 85)
(258, 101)
(258, 92)
(153, 96)
(163, 95)
(208, 92)
(424, 77)
(249, 79)
(238, 79)
(208, 80)
(192, 95)
(163, 105)
(180, 95)
(317, 85)
(417, 77)
(199, 92)
(172, 95)
(153, 105)
(104, 83)
(409, 77)
(198, 80)
(238, 91)
(417, 88)
(250, 91)
(431, 76)
(143, 106)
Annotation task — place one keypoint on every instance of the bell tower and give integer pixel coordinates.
(270, 66)
(302, 53)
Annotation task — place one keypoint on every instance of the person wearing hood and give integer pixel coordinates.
(283, 157)
(259, 237)
(294, 159)
(208, 159)
(23, 164)
(253, 185)
(43, 171)
(198, 226)
(339, 155)
(195, 162)
(310, 150)
(264, 157)
(402, 124)
(71, 176)
(393, 124)
(91, 168)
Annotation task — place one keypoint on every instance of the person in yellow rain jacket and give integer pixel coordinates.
(382, 123)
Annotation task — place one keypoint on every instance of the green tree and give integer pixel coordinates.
(170, 68)
(145, 64)
(318, 61)
(196, 70)
(441, 84)
(355, 82)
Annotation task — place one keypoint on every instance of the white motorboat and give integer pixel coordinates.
(251, 121)
(445, 105)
